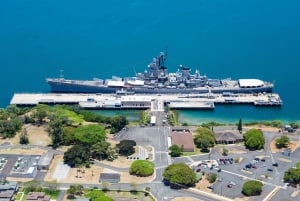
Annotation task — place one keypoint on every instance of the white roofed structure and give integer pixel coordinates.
(136, 82)
(250, 83)
(115, 83)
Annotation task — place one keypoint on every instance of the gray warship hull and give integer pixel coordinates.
(157, 80)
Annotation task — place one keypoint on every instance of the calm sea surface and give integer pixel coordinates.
(87, 39)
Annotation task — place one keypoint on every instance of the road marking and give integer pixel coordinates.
(190, 159)
(271, 194)
(284, 160)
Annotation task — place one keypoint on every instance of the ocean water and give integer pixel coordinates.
(87, 39)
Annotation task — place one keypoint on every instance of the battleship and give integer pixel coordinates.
(157, 80)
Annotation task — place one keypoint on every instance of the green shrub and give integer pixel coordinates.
(142, 168)
(251, 188)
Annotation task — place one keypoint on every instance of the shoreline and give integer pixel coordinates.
(192, 119)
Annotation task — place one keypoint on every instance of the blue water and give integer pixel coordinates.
(87, 39)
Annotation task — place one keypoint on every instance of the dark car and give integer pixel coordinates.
(248, 166)
(270, 170)
(275, 164)
(263, 160)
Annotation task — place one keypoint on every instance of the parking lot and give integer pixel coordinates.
(17, 165)
(150, 135)
(242, 165)
(233, 170)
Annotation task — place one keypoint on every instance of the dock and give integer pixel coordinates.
(145, 101)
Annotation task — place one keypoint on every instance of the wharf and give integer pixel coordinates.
(144, 101)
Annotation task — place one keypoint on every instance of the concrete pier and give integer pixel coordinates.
(137, 101)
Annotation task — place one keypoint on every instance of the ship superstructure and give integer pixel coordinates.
(157, 79)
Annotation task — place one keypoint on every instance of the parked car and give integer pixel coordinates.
(275, 164)
(231, 184)
(270, 170)
(248, 166)
(263, 160)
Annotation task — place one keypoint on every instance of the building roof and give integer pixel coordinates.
(232, 135)
(9, 186)
(184, 139)
(40, 196)
(46, 159)
(250, 83)
(7, 194)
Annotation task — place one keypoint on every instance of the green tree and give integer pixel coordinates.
(211, 124)
(179, 175)
(204, 145)
(185, 124)
(254, 139)
(24, 137)
(68, 136)
(175, 150)
(240, 126)
(294, 125)
(283, 141)
(126, 147)
(142, 168)
(117, 123)
(75, 190)
(55, 129)
(15, 110)
(204, 139)
(76, 156)
(212, 177)
(292, 175)
(252, 187)
(89, 134)
(40, 112)
(224, 151)
(100, 150)
(9, 128)
(31, 186)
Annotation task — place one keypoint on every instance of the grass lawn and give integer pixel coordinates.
(125, 195)
(197, 151)
(18, 196)
(139, 195)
